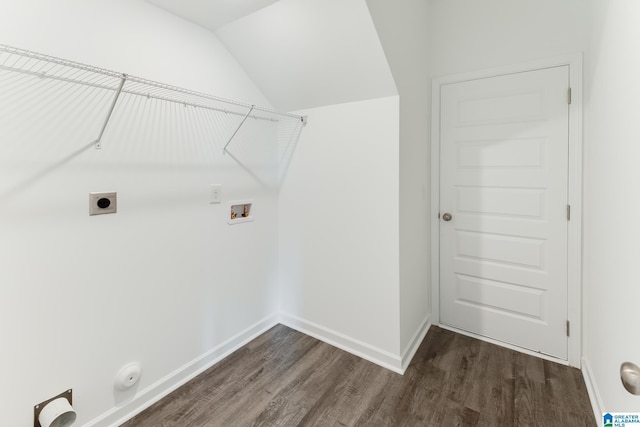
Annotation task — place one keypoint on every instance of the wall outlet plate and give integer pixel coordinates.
(103, 203)
(216, 193)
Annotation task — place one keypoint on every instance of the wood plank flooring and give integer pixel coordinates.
(285, 378)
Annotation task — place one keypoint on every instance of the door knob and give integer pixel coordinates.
(630, 374)
(447, 217)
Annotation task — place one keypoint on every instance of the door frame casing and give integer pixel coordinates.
(574, 237)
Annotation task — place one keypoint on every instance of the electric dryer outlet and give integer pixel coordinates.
(103, 203)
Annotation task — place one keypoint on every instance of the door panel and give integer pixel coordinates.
(504, 168)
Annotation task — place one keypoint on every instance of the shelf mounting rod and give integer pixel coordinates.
(244, 119)
(98, 141)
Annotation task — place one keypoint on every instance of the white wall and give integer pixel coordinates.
(339, 243)
(403, 32)
(469, 35)
(338, 225)
(165, 281)
(611, 228)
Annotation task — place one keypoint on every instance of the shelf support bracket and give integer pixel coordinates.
(98, 141)
(244, 119)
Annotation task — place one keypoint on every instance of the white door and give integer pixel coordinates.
(503, 184)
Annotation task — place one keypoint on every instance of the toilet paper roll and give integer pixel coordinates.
(57, 413)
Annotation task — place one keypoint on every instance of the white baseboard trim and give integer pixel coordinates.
(592, 390)
(187, 372)
(181, 376)
(412, 347)
(361, 349)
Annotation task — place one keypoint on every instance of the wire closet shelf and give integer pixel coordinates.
(49, 67)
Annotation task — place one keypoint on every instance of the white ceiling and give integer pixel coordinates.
(300, 53)
(212, 14)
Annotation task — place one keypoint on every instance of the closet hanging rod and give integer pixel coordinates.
(44, 75)
(50, 67)
(170, 88)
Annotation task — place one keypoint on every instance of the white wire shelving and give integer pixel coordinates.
(35, 64)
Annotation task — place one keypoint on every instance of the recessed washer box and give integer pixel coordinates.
(103, 203)
(240, 211)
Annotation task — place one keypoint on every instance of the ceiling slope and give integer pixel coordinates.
(211, 14)
(300, 53)
(310, 53)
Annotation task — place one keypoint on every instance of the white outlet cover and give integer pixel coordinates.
(216, 193)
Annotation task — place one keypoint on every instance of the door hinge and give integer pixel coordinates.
(569, 96)
(568, 328)
(568, 212)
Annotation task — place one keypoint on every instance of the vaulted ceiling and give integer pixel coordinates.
(212, 14)
(301, 53)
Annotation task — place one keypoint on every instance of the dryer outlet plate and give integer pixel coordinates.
(103, 203)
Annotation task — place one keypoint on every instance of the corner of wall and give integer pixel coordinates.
(592, 388)
(414, 343)
(344, 342)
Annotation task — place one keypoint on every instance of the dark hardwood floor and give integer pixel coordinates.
(285, 378)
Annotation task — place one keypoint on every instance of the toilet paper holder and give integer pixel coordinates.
(67, 394)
